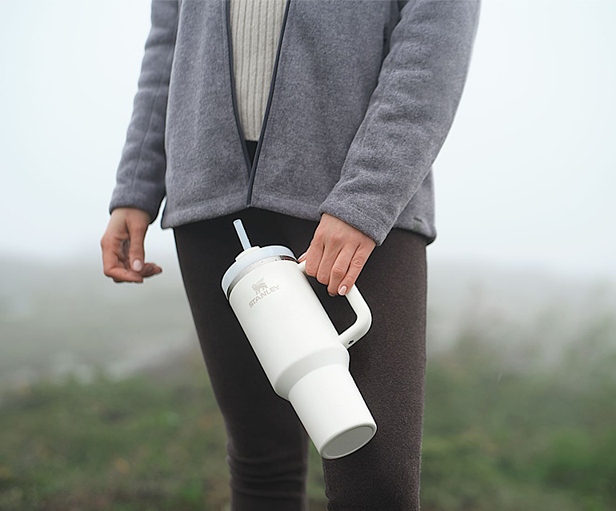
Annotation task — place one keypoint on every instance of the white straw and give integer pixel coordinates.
(241, 232)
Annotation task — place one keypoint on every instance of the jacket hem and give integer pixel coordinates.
(209, 208)
(298, 208)
(286, 206)
(226, 204)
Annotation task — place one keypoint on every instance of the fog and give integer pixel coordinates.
(104, 397)
(525, 178)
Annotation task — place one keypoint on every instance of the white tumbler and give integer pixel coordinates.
(300, 350)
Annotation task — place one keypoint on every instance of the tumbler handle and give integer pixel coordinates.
(364, 317)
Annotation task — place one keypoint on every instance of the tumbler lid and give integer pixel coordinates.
(249, 257)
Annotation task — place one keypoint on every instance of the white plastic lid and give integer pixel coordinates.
(249, 256)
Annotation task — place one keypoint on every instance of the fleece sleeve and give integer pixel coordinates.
(408, 116)
(140, 177)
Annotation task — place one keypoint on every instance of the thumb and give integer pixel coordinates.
(136, 252)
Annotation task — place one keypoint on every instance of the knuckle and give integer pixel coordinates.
(357, 262)
(338, 272)
(336, 237)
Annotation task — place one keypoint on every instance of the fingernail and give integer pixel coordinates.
(137, 265)
(342, 290)
(301, 256)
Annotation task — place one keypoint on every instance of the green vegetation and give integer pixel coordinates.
(508, 433)
(153, 441)
(501, 432)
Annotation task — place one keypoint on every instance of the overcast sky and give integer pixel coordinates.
(526, 177)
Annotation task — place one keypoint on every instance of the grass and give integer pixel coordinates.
(501, 432)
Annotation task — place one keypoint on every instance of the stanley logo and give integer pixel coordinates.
(262, 291)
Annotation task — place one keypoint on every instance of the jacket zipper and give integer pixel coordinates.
(252, 169)
(385, 50)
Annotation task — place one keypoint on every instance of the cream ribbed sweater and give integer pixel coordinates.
(255, 29)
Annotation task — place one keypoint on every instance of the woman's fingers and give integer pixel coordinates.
(123, 243)
(337, 254)
(330, 253)
(340, 269)
(113, 265)
(124, 259)
(313, 257)
(136, 253)
(150, 269)
(356, 265)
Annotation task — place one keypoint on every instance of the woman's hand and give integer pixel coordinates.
(337, 254)
(122, 245)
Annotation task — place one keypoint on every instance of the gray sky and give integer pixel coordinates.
(526, 177)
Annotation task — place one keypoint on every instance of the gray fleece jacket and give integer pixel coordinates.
(362, 96)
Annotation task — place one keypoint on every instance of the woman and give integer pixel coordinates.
(316, 122)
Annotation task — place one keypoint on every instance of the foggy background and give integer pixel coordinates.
(525, 177)
(523, 265)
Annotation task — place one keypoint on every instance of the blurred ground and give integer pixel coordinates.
(105, 402)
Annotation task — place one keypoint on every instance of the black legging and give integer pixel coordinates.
(267, 444)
